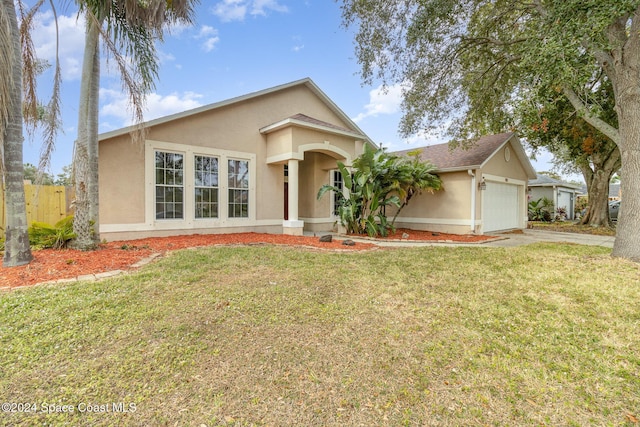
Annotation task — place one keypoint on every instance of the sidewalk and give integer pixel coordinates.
(505, 240)
(533, 236)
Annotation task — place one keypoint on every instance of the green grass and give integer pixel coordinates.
(539, 335)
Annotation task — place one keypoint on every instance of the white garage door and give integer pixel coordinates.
(500, 207)
(564, 201)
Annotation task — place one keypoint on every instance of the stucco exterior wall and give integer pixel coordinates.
(233, 131)
(540, 192)
(447, 210)
(121, 175)
(498, 165)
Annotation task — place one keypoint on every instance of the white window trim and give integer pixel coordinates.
(189, 221)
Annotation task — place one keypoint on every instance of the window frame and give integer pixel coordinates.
(334, 196)
(243, 190)
(177, 187)
(189, 221)
(214, 189)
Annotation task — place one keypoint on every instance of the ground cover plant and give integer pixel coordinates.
(544, 334)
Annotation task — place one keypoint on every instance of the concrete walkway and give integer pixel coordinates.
(505, 240)
(534, 236)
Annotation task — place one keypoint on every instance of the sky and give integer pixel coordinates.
(234, 47)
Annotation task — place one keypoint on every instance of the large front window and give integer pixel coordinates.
(238, 174)
(206, 186)
(169, 185)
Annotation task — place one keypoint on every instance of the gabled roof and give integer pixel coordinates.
(305, 121)
(354, 129)
(547, 181)
(475, 157)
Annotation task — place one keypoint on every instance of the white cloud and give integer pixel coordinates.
(260, 6)
(230, 10)
(117, 105)
(298, 44)
(382, 101)
(71, 42)
(210, 35)
(236, 10)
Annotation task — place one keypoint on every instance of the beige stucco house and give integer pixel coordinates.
(484, 188)
(252, 163)
(256, 163)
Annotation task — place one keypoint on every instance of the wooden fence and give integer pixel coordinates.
(45, 203)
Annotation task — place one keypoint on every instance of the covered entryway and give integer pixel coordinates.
(308, 148)
(500, 207)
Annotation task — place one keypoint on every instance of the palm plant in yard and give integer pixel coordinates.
(379, 180)
(414, 176)
(129, 29)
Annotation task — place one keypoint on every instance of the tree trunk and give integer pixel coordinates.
(83, 220)
(17, 250)
(92, 134)
(627, 244)
(598, 204)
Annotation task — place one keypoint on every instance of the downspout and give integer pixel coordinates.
(473, 200)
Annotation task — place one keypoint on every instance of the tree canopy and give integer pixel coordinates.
(473, 62)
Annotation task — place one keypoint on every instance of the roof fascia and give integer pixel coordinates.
(299, 123)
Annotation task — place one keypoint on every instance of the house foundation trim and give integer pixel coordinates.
(293, 227)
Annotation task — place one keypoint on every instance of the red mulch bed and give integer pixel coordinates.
(49, 264)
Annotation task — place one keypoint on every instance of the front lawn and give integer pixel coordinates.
(544, 334)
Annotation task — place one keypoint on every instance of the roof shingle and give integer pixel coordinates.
(443, 157)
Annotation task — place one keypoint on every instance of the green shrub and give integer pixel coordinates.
(541, 210)
(42, 235)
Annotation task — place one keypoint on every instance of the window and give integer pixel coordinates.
(339, 183)
(238, 174)
(169, 185)
(206, 186)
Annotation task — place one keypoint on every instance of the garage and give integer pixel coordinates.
(500, 207)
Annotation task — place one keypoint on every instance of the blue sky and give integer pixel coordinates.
(235, 47)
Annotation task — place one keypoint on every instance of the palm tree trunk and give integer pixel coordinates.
(84, 221)
(17, 250)
(92, 134)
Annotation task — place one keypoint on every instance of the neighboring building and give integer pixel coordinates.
(614, 192)
(256, 163)
(562, 194)
(484, 188)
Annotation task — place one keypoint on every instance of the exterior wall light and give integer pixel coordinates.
(482, 185)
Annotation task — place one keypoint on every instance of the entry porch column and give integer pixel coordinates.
(293, 226)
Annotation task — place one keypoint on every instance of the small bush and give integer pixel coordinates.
(541, 210)
(42, 235)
